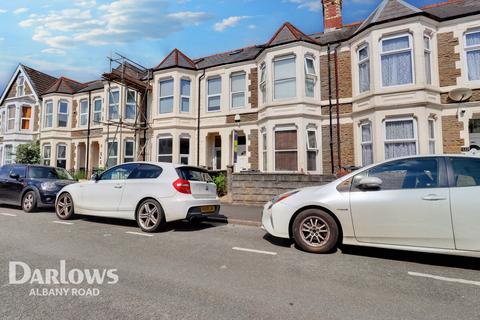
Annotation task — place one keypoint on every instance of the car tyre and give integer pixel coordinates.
(315, 231)
(150, 216)
(29, 202)
(64, 207)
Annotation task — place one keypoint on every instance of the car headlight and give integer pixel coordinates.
(49, 186)
(281, 197)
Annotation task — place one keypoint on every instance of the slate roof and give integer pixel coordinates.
(65, 85)
(92, 86)
(131, 70)
(453, 8)
(288, 33)
(40, 81)
(176, 58)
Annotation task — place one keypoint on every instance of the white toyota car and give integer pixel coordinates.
(421, 203)
(150, 193)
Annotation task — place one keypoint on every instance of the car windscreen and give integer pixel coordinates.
(194, 174)
(49, 173)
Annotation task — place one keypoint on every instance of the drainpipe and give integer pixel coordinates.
(87, 162)
(339, 152)
(198, 116)
(330, 106)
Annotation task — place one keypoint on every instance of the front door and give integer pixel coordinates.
(102, 197)
(241, 160)
(217, 154)
(410, 208)
(465, 199)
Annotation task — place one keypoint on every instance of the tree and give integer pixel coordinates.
(28, 153)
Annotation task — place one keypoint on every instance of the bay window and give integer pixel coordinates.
(400, 138)
(310, 77)
(184, 150)
(48, 115)
(312, 150)
(8, 154)
(263, 82)
(428, 59)
(131, 105)
(431, 136)
(285, 81)
(113, 104)
(62, 114)
(97, 111)
(20, 86)
(214, 91)
(165, 149)
(264, 151)
(165, 102)
(472, 48)
(26, 117)
(237, 88)
(185, 95)
(83, 113)
(397, 61)
(363, 69)
(61, 156)
(366, 143)
(286, 150)
(112, 154)
(46, 154)
(129, 151)
(11, 117)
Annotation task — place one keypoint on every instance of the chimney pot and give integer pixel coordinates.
(332, 15)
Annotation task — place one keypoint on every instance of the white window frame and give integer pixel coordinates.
(9, 155)
(281, 58)
(158, 149)
(312, 148)
(130, 104)
(362, 62)
(279, 129)
(409, 49)
(96, 112)
(126, 156)
(108, 157)
(310, 76)
(29, 119)
(83, 115)
(214, 95)
(265, 150)
(263, 82)
(171, 96)
(183, 155)
(232, 93)
(20, 86)
(10, 118)
(113, 104)
(184, 96)
(48, 115)
(46, 161)
(468, 49)
(63, 113)
(57, 158)
(428, 52)
(415, 132)
(367, 142)
(432, 134)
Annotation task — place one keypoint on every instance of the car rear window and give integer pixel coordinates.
(48, 173)
(194, 174)
(145, 171)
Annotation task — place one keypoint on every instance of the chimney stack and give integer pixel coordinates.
(332, 15)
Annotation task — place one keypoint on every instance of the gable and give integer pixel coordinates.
(12, 88)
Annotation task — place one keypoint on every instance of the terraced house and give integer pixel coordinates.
(404, 81)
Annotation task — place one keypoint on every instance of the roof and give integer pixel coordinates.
(453, 8)
(65, 85)
(389, 10)
(176, 58)
(288, 33)
(131, 70)
(324, 38)
(39, 80)
(92, 86)
(237, 55)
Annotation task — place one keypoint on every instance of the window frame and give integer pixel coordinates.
(415, 132)
(97, 112)
(130, 104)
(20, 84)
(427, 51)
(219, 95)
(243, 93)
(282, 58)
(310, 76)
(9, 155)
(312, 149)
(468, 49)
(263, 82)
(108, 156)
(362, 62)
(184, 96)
(10, 118)
(113, 104)
(83, 114)
(57, 158)
(63, 113)
(432, 135)
(409, 49)
(46, 161)
(366, 143)
(183, 155)
(275, 130)
(22, 118)
(166, 97)
(158, 148)
(131, 157)
(48, 115)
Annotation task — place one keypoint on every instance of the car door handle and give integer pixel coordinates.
(434, 197)
(118, 187)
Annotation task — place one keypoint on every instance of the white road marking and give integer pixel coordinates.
(140, 234)
(63, 222)
(8, 214)
(255, 251)
(431, 276)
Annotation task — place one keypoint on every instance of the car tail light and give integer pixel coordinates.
(182, 186)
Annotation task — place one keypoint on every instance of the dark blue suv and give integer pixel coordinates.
(31, 186)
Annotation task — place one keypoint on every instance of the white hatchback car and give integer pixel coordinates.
(421, 203)
(150, 193)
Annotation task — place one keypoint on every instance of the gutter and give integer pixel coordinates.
(339, 150)
(330, 106)
(198, 116)
(87, 153)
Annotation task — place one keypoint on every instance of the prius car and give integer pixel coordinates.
(150, 193)
(420, 203)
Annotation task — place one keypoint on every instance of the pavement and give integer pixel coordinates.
(237, 214)
(224, 271)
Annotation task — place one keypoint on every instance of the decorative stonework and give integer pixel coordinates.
(447, 58)
(253, 88)
(346, 146)
(452, 143)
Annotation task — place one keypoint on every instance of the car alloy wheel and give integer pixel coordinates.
(315, 230)
(29, 202)
(64, 206)
(149, 215)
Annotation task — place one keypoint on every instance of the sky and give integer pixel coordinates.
(74, 38)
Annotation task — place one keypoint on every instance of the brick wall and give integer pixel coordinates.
(253, 149)
(244, 117)
(344, 73)
(253, 87)
(259, 188)
(36, 118)
(447, 58)
(346, 146)
(452, 143)
(475, 97)
(344, 108)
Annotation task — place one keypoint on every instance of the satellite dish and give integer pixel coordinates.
(460, 94)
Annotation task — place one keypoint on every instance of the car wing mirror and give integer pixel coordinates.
(94, 177)
(370, 183)
(15, 176)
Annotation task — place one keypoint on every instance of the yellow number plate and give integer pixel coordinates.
(207, 209)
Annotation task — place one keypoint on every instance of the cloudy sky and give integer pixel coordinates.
(73, 38)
